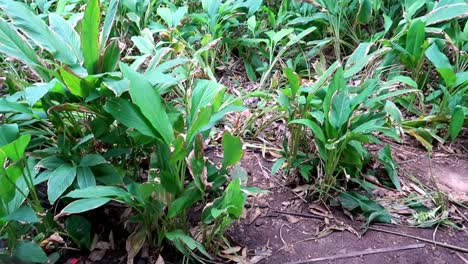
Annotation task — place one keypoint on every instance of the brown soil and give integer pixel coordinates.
(272, 237)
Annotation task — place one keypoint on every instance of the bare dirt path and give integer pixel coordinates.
(273, 237)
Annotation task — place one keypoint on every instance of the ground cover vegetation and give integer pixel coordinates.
(114, 105)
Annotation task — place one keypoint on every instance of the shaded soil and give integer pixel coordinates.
(271, 236)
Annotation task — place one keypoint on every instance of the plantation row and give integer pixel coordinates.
(114, 104)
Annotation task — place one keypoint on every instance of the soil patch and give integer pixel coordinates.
(272, 236)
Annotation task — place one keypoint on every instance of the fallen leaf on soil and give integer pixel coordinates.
(160, 260)
(302, 188)
(97, 255)
(103, 245)
(291, 219)
(236, 259)
(231, 250)
(254, 215)
(134, 243)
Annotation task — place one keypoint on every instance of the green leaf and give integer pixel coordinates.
(312, 125)
(294, 81)
(385, 157)
(456, 122)
(13, 107)
(8, 133)
(8, 182)
(30, 252)
(372, 210)
(13, 45)
(340, 110)
(415, 38)
(181, 241)
(98, 192)
(150, 103)
(35, 28)
(204, 94)
(24, 214)
(90, 36)
(66, 32)
(277, 165)
(365, 11)
(393, 111)
(83, 205)
(338, 83)
(111, 14)
(202, 119)
(111, 57)
(92, 160)
(106, 174)
(79, 230)
(442, 64)
(185, 201)
(59, 180)
(85, 177)
(446, 13)
(232, 149)
(73, 83)
(129, 115)
(15, 150)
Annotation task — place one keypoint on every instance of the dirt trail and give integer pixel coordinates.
(279, 238)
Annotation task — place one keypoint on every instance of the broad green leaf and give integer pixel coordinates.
(385, 157)
(442, 64)
(312, 125)
(277, 165)
(172, 19)
(322, 80)
(203, 94)
(185, 201)
(338, 83)
(232, 149)
(79, 230)
(36, 29)
(393, 111)
(73, 83)
(13, 45)
(150, 103)
(66, 32)
(13, 107)
(117, 87)
(201, 120)
(24, 214)
(8, 133)
(83, 205)
(92, 160)
(15, 150)
(111, 14)
(446, 13)
(59, 181)
(456, 122)
(111, 57)
(106, 174)
(413, 7)
(90, 36)
(182, 240)
(340, 110)
(85, 177)
(294, 81)
(129, 115)
(28, 252)
(98, 191)
(365, 11)
(415, 38)
(8, 180)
